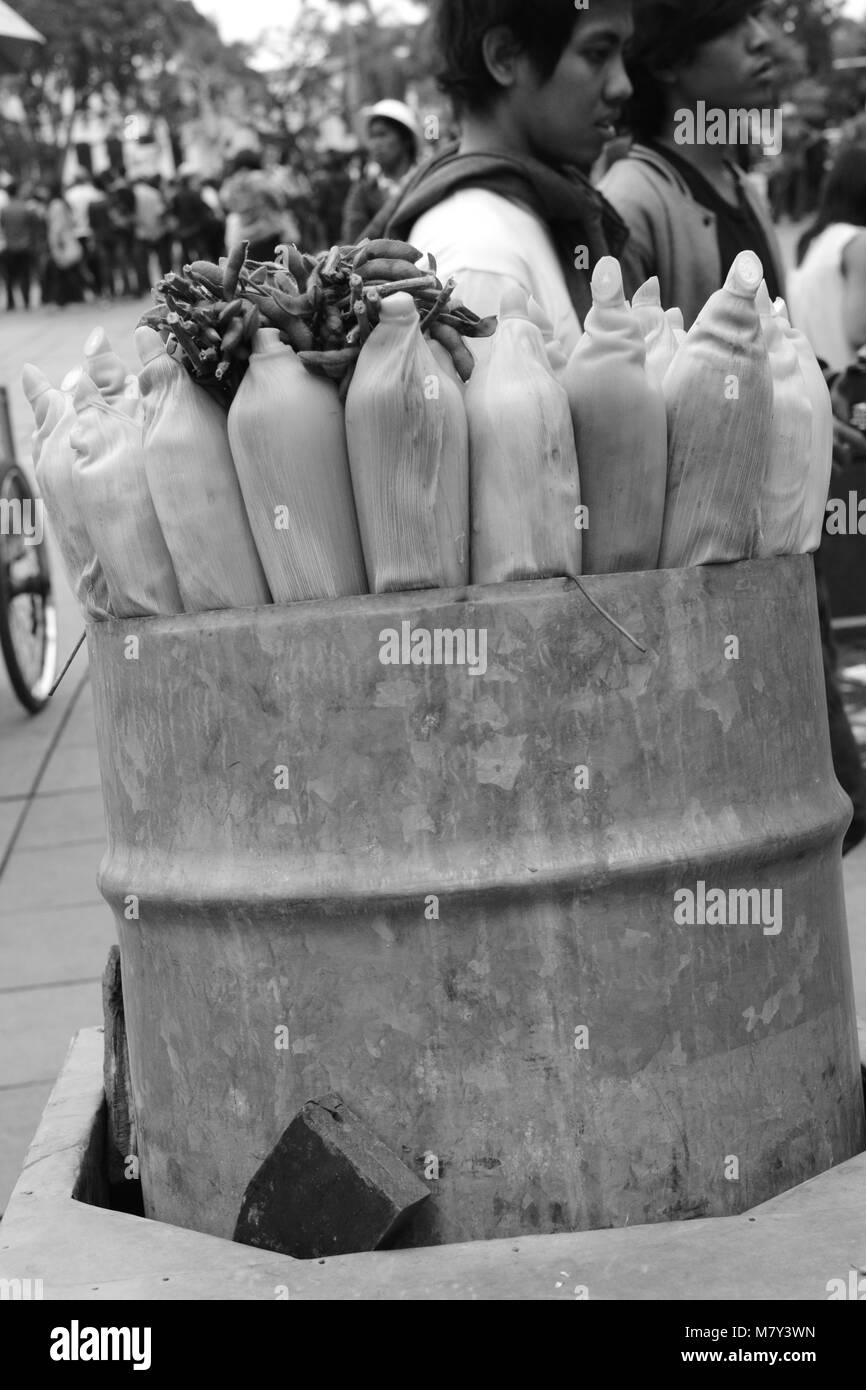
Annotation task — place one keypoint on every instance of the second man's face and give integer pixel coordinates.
(733, 71)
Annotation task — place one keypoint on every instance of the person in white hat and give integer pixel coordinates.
(394, 142)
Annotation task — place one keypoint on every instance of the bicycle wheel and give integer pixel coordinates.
(28, 621)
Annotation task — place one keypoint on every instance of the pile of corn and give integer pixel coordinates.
(318, 427)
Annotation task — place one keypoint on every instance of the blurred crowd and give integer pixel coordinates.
(107, 236)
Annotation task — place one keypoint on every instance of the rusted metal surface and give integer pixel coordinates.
(389, 881)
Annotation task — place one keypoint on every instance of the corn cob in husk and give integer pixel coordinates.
(719, 394)
(620, 429)
(814, 511)
(524, 464)
(409, 454)
(783, 497)
(288, 439)
(53, 460)
(111, 490)
(194, 487)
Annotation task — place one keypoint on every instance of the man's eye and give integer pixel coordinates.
(597, 56)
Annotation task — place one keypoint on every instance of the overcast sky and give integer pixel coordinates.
(245, 19)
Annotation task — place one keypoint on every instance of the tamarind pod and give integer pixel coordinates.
(186, 343)
(331, 264)
(230, 311)
(277, 317)
(233, 336)
(260, 275)
(383, 249)
(301, 305)
(209, 313)
(362, 314)
(210, 335)
(285, 282)
(294, 264)
(272, 315)
(234, 265)
(252, 320)
(441, 301)
(332, 326)
(391, 270)
(297, 334)
(455, 346)
(412, 287)
(459, 308)
(331, 364)
(373, 301)
(484, 329)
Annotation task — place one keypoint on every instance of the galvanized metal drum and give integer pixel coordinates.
(561, 917)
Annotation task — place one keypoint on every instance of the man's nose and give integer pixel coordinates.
(618, 88)
(759, 34)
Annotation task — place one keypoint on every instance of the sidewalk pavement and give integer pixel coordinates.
(55, 930)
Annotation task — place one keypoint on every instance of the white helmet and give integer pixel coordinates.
(397, 111)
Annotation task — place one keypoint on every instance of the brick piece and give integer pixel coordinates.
(121, 1141)
(328, 1187)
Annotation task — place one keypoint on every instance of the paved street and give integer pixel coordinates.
(54, 929)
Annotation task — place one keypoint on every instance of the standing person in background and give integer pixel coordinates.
(122, 210)
(539, 90)
(191, 217)
(66, 257)
(331, 187)
(100, 260)
(256, 206)
(80, 195)
(21, 236)
(149, 232)
(690, 208)
(394, 144)
(214, 230)
(827, 290)
(37, 201)
(4, 199)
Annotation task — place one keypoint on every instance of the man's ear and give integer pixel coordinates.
(501, 52)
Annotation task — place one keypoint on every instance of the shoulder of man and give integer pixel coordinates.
(643, 169)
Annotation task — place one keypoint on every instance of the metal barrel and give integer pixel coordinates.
(564, 925)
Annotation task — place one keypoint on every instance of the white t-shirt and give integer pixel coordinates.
(79, 198)
(487, 242)
(816, 294)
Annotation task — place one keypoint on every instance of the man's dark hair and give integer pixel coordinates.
(543, 30)
(668, 34)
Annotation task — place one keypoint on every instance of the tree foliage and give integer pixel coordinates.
(126, 47)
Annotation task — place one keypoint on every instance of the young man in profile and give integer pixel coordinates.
(691, 211)
(538, 90)
(689, 207)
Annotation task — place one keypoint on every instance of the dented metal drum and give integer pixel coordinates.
(490, 907)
